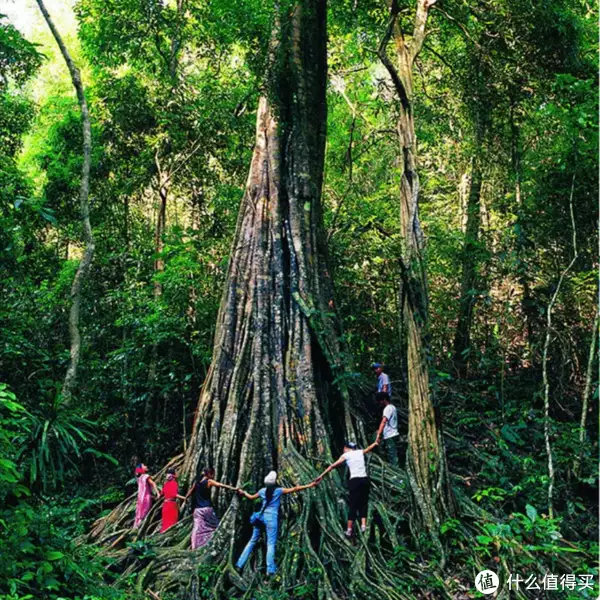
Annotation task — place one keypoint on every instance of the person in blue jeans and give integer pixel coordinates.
(268, 517)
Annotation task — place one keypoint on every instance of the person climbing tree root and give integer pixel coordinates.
(359, 485)
(205, 518)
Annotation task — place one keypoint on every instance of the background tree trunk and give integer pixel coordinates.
(84, 209)
(462, 338)
(470, 258)
(159, 267)
(546, 380)
(426, 462)
(589, 377)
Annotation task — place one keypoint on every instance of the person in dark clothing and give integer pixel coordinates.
(205, 518)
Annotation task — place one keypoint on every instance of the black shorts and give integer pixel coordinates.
(359, 488)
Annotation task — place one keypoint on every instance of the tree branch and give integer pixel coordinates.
(419, 32)
(387, 63)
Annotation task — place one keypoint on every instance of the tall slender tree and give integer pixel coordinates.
(84, 209)
(470, 254)
(426, 462)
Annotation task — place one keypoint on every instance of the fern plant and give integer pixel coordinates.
(51, 442)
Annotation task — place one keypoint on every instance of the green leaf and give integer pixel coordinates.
(99, 454)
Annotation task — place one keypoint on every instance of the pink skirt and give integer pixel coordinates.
(205, 525)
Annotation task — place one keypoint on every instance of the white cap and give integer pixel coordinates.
(271, 478)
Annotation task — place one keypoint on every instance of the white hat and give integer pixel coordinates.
(271, 478)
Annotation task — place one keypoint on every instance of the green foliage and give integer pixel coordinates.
(39, 560)
(51, 442)
(11, 413)
(37, 556)
(539, 535)
(172, 95)
(19, 58)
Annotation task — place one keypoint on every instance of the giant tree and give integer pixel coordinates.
(275, 396)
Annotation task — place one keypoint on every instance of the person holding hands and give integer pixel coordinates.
(267, 517)
(359, 485)
(388, 427)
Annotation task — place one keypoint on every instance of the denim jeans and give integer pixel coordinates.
(271, 523)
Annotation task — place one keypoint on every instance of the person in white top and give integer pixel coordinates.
(388, 427)
(359, 485)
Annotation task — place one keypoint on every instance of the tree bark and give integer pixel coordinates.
(276, 349)
(527, 305)
(546, 381)
(426, 463)
(88, 238)
(586, 397)
(462, 338)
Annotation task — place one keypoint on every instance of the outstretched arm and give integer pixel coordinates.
(213, 483)
(381, 426)
(241, 492)
(332, 466)
(154, 487)
(373, 445)
(299, 488)
(191, 491)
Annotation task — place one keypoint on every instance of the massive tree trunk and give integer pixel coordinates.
(426, 463)
(276, 344)
(84, 210)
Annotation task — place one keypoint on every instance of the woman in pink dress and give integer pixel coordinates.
(144, 499)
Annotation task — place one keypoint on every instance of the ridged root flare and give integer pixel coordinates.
(313, 555)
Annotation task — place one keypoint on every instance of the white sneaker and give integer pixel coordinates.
(363, 529)
(348, 533)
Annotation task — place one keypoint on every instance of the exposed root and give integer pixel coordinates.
(314, 557)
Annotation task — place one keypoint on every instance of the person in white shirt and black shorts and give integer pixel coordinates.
(359, 485)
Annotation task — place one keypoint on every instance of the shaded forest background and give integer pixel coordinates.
(506, 117)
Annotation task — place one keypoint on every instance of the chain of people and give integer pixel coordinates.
(206, 521)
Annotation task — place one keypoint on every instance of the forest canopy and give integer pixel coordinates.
(221, 222)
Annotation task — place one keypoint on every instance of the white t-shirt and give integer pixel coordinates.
(384, 379)
(355, 459)
(390, 429)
